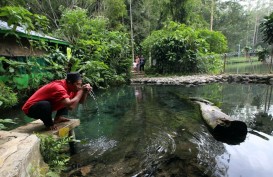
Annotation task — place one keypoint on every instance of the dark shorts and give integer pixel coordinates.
(42, 110)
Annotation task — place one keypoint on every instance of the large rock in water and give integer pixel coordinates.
(20, 155)
(223, 127)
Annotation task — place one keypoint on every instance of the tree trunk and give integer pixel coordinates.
(223, 127)
(132, 34)
(254, 41)
(211, 15)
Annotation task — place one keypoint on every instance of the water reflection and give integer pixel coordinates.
(150, 132)
(248, 67)
(251, 159)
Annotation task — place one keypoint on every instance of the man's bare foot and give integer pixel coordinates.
(60, 119)
(53, 127)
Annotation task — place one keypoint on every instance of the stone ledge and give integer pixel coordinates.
(37, 126)
(20, 148)
(20, 155)
(195, 80)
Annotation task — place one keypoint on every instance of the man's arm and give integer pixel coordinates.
(83, 98)
(79, 98)
(72, 103)
(86, 90)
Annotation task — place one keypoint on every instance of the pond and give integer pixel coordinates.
(147, 130)
(255, 67)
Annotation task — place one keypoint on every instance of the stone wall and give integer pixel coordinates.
(205, 79)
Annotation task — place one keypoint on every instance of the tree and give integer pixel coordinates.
(199, 12)
(100, 53)
(178, 48)
(19, 16)
(267, 29)
(115, 11)
(72, 24)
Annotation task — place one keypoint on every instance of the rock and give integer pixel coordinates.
(20, 148)
(20, 155)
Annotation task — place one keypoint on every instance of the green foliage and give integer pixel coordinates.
(100, 75)
(115, 10)
(51, 150)
(198, 13)
(209, 63)
(5, 121)
(18, 73)
(180, 49)
(217, 42)
(262, 54)
(232, 20)
(19, 16)
(97, 73)
(72, 24)
(267, 29)
(95, 44)
(56, 63)
(7, 97)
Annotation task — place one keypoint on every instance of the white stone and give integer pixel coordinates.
(20, 155)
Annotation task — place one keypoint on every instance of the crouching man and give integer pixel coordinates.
(60, 96)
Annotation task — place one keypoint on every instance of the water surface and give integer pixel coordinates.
(255, 67)
(154, 131)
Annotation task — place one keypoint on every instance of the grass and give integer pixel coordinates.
(241, 59)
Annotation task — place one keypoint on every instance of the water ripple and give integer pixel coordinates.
(100, 145)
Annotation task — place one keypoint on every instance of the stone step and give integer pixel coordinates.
(20, 148)
(138, 74)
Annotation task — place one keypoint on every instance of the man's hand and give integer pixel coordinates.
(87, 87)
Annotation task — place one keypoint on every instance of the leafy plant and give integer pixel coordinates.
(5, 121)
(19, 16)
(7, 97)
(267, 29)
(51, 150)
(180, 49)
(56, 63)
(217, 42)
(94, 44)
(21, 76)
(262, 54)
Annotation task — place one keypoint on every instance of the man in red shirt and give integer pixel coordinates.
(60, 96)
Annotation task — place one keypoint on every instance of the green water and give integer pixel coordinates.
(149, 131)
(253, 68)
(153, 131)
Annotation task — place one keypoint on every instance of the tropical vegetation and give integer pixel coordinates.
(104, 36)
(175, 36)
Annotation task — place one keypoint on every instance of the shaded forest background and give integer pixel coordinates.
(238, 20)
(175, 36)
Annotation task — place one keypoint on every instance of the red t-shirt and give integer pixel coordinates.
(53, 92)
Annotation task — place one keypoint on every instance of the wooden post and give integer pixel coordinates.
(225, 58)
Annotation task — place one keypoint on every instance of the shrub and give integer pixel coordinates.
(178, 48)
(51, 150)
(7, 97)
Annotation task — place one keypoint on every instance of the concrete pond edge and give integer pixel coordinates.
(196, 80)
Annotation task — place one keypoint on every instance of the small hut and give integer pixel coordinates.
(16, 45)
